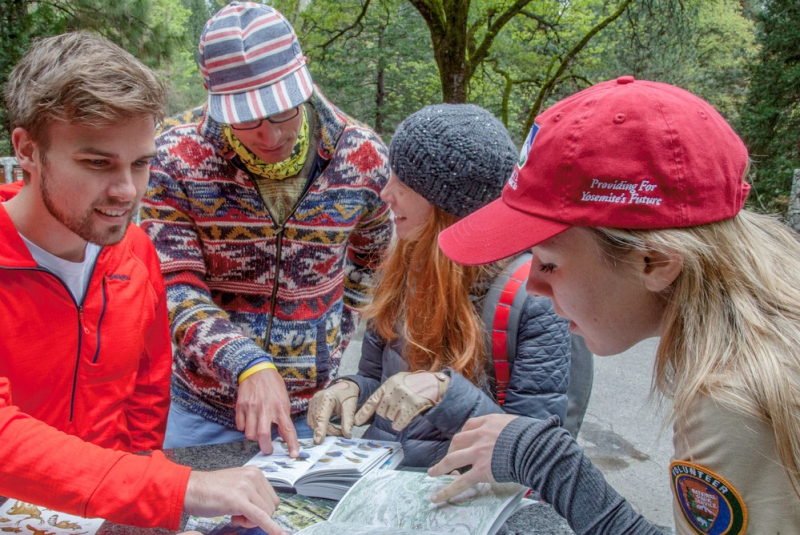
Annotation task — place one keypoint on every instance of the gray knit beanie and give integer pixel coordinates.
(457, 156)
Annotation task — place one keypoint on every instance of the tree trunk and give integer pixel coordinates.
(447, 22)
(380, 91)
(793, 215)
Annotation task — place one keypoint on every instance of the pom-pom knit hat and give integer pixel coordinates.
(625, 153)
(252, 64)
(457, 156)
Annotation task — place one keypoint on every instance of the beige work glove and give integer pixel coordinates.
(403, 397)
(339, 399)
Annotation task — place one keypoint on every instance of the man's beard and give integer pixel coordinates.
(82, 226)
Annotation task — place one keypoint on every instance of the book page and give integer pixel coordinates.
(400, 499)
(335, 459)
(28, 519)
(283, 471)
(350, 456)
(339, 528)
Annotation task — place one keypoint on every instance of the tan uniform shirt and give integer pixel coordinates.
(717, 450)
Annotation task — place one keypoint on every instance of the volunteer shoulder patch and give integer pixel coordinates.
(708, 502)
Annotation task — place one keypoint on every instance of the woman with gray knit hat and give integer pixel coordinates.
(427, 361)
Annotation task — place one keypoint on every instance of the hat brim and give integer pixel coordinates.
(494, 232)
(285, 94)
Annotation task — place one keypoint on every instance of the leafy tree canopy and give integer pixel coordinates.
(770, 118)
(152, 30)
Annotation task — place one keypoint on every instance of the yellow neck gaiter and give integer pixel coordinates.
(276, 171)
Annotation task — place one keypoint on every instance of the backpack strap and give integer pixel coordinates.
(501, 314)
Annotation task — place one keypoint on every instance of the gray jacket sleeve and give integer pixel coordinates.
(370, 367)
(543, 456)
(540, 375)
(462, 401)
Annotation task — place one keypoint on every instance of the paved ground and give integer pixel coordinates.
(622, 432)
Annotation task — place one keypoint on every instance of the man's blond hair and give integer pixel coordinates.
(80, 78)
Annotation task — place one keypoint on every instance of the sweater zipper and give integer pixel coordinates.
(81, 324)
(274, 298)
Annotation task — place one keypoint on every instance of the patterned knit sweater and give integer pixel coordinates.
(241, 288)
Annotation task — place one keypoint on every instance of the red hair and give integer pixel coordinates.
(425, 297)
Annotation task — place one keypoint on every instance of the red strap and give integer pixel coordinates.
(502, 370)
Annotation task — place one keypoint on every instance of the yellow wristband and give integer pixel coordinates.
(256, 368)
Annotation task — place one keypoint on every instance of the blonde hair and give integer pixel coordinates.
(80, 78)
(731, 328)
(425, 297)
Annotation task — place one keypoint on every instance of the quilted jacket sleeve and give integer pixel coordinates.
(540, 375)
(462, 401)
(45, 466)
(370, 367)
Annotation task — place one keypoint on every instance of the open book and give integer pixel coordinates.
(398, 503)
(328, 470)
(24, 518)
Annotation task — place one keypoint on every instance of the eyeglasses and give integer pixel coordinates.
(278, 118)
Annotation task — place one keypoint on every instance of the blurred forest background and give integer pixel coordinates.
(380, 60)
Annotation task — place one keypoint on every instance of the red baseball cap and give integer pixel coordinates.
(621, 154)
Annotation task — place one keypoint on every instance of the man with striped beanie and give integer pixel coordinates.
(266, 215)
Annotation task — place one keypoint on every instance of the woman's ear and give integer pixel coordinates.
(659, 270)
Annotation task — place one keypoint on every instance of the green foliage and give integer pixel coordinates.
(152, 30)
(545, 53)
(378, 68)
(770, 120)
(18, 27)
(380, 60)
(704, 46)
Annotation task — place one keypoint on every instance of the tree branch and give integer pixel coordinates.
(357, 22)
(549, 85)
(491, 33)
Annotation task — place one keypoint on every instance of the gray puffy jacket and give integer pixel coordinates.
(538, 385)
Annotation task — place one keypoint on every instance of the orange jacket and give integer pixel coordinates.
(98, 371)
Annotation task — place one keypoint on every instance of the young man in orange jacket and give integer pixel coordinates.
(85, 349)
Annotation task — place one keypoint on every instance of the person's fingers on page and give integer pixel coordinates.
(269, 498)
(240, 492)
(368, 408)
(348, 415)
(254, 407)
(264, 506)
(288, 433)
(255, 516)
(454, 460)
(256, 501)
(455, 488)
(259, 428)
